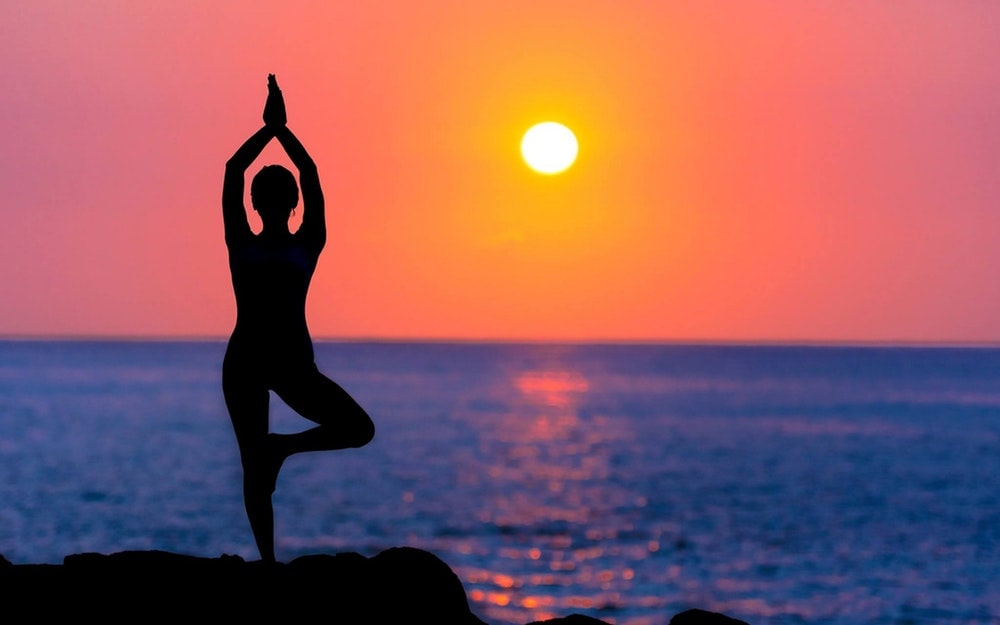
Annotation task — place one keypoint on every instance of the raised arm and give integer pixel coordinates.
(313, 204)
(234, 214)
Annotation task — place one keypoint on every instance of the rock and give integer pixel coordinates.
(396, 586)
(572, 619)
(399, 585)
(689, 617)
(701, 617)
(419, 582)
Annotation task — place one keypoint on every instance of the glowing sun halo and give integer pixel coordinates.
(549, 147)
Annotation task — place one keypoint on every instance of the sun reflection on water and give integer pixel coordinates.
(552, 388)
(557, 521)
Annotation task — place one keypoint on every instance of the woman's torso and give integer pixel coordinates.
(271, 279)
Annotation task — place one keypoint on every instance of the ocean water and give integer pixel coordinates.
(778, 484)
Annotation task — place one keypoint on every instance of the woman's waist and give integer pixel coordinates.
(253, 339)
(272, 323)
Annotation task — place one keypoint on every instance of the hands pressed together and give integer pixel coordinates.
(274, 108)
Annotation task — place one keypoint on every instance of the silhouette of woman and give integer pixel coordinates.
(270, 348)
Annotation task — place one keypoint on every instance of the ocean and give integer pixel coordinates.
(778, 484)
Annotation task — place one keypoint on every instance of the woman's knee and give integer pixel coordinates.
(364, 433)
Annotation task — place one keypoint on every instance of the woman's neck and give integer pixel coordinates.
(275, 231)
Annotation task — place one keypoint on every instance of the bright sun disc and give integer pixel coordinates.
(549, 147)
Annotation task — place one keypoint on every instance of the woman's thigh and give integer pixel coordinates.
(320, 399)
(247, 400)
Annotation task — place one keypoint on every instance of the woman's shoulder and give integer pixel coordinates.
(240, 239)
(308, 242)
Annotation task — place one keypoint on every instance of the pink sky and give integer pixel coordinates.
(748, 170)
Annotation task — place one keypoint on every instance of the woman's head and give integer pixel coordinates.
(274, 192)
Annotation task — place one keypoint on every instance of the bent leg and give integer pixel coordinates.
(343, 423)
(247, 401)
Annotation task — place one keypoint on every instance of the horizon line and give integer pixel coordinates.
(443, 340)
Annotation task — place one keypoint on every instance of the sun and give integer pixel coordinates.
(549, 148)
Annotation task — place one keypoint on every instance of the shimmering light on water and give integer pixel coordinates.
(780, 485)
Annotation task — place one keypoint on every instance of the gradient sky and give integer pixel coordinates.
(822, 171)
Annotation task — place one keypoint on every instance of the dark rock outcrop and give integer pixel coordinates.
(701, 617)
(572, 619)
(399, 585)
(688, 617)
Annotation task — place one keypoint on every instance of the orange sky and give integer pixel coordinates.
(748, 170)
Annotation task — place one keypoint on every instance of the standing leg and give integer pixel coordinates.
(247, 401)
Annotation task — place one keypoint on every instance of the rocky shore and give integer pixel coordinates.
(398, 585)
